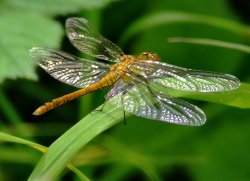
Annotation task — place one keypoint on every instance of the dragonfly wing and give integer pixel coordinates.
(145, 102)
(68, 68)
(86, 39)
(119, 87)
(183, 79)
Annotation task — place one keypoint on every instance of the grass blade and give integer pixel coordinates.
(65, 147)
(239, 98)
(9, 138)
(211, 42)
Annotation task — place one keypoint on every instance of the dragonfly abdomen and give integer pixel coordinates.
(108, 80)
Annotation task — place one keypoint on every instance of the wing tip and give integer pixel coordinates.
(73, 20)
(33, 52)
(33, 49)
(237, 83)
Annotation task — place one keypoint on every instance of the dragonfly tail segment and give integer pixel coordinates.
(108, 80)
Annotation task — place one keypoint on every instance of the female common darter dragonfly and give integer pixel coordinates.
(137, 82)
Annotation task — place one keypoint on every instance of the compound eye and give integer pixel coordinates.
(154, 57)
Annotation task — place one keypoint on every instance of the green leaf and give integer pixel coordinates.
(172, 17)
(20, 31)
(211, 42)
(65, 147)
(58, 6)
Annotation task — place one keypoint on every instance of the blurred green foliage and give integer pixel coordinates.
(142, 149)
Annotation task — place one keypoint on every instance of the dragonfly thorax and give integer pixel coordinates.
(122, 66)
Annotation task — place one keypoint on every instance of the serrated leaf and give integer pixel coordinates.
(58, 6)
(20, 31)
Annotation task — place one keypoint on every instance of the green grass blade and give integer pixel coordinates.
(65, 147)
(211, 42)
(9, 138)
(237, 98)
(172, 17)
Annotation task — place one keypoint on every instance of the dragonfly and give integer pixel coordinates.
(139, 84)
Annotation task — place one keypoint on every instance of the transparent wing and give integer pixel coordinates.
(145, 102)
(183, 79)
(68, 68)
(119, 87)
(86, 39)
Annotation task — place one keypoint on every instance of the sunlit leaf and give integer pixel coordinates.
(20, 31)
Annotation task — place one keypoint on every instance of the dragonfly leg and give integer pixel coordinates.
(124, 113)
(124, 117)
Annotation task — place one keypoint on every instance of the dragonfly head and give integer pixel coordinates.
(148, 56)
